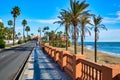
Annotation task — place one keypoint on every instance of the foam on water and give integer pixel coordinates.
(112, 48)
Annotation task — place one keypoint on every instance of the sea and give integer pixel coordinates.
(112, 48)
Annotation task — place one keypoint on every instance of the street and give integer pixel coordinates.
(12, 59)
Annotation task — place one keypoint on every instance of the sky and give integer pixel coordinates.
(40, 13)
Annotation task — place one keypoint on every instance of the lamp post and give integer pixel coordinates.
(39, 30)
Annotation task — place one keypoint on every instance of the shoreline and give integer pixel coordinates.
(102, 57)
(105, 52)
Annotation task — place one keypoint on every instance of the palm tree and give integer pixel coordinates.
(47, 35)
(10, 23)
(24, 23)
(97, 24)
(32, 34)
(64, 20)
(59, 37)
(27, 29)
(84, 20)
(76, 9)
(46, 28)
(52, 37)
(15, 12)
(19, 34)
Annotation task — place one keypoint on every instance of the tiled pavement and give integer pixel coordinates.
(44, 67)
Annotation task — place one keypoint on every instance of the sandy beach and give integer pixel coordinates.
(102, 58)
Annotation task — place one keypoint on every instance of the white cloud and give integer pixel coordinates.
(109, 35)
(19, 28)
(51, 21)
(112, 20)
(0, 20)
(47, 21)
(107, 20)
(118, 14)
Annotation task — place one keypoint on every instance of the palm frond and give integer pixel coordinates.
(103, 26)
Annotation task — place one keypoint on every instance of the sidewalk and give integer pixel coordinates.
(42, 67)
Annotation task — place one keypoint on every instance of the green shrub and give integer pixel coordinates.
(69, 43)
(20, 42)
(2, 43)
(26, 41)
(29, 38)
(44, 41)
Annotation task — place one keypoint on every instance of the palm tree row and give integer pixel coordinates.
(76, 19)
(25, 28)
(16, 12)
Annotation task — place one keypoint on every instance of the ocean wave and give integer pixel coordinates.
(89, 47)
(111, 48)
(110, 53)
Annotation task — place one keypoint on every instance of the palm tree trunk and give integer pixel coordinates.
(95, 46)
(75, 40)
(40, 36)
(23, 34)
(27, 35)
(82, 46)
(82, 41)
(14, 31)
(66, 38)
(66, 42)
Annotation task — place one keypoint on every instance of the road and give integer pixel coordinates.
(12, 59)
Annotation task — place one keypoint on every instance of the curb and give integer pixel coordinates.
(21, 69)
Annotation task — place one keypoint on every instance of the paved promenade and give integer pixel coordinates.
(43, 67)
